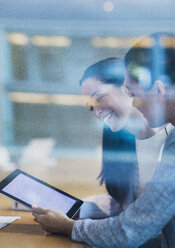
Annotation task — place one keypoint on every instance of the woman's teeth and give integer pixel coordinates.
(107, 117)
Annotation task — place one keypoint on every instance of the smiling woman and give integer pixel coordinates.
(102, 87)
(100, 80)
(99, 101)
(126, 178)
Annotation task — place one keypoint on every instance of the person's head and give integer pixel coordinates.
(150, 77)
(105, 79)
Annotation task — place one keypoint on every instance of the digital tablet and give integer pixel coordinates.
(30, 190)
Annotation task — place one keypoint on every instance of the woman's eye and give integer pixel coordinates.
(99, 98)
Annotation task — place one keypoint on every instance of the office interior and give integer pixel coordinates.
(45, 127)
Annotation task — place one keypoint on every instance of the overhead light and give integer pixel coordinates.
(63, 99)
(168, 42)
(19, 39)
(111, 42)
(58, 41)
(115, 42)
(147, 42)
(108, 6)
(35, 98)
(38, 98)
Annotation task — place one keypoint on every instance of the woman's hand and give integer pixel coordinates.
(53, 221)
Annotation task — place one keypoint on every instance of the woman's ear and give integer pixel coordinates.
(160, 88)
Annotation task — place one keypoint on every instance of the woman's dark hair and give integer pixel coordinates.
(108, 71)
(119, 164)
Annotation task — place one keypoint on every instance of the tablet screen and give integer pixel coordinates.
(33, 191)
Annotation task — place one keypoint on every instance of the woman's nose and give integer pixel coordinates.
(97, 112)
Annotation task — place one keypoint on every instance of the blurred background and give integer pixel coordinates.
(45, 45)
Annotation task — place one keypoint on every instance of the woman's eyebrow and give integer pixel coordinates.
(94, 93)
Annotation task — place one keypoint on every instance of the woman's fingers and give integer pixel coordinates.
(39, 209)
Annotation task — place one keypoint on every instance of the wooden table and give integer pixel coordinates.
(26, 233)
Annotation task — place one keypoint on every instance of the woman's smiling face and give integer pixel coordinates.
(108, 103)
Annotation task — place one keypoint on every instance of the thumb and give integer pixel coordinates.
(39, 209)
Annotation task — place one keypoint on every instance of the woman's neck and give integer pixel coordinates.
(138, 126)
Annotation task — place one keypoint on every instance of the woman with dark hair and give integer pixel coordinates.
(102, 87)
(125, 176)
(122, 125)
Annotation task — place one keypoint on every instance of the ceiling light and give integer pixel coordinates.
(18, 39)
(168, 42)
(39, 98)
(58, 41)
(114, 42)
(108, 6)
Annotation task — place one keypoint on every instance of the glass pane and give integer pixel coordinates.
(19, 62)
(51, 62)
(68, 125)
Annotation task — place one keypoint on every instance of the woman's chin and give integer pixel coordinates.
(113, 128)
